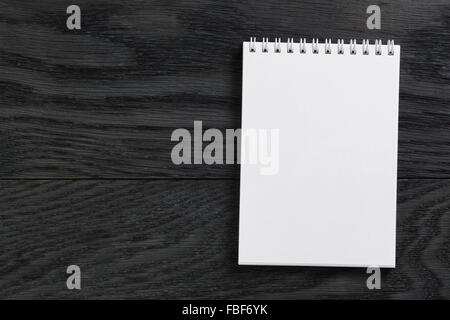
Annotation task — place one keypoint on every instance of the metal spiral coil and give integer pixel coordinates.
(341, 47)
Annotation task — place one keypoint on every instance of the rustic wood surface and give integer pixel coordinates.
(85, 171)
(178, 239)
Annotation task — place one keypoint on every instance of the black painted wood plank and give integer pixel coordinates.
(179, 239)
(103, 101)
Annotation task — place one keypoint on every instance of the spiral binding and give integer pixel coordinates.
(327, 45)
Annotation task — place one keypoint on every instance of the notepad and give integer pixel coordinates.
(333, 110)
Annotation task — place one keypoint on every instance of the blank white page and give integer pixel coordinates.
(333, 200)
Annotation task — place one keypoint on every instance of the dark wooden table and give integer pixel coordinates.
(86, 175)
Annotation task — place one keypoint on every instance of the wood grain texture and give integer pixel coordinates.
(85, 171)
(103, 101)
(179, 239)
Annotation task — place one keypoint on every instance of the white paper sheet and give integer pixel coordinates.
(333, 200)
